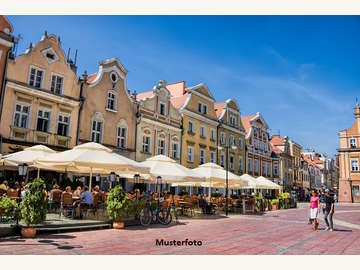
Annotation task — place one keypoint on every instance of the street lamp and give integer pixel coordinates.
(227, 148)
(22, 168)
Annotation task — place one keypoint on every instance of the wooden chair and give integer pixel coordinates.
(66, 204)
(12, 193)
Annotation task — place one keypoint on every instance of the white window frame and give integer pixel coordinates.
(22, 104)
(43, 110)
(175, 152)
(146, 134)
(240, 143)
(256, 166)
(249, 165)
(240, 164)
(199, 108)
(202, 131)
(352, 142)
(212, 156)
(64, 123)
(161, 144)
(222, 138)
(212, 134)
(114, 98)
(276, 169)
(202, 156)
(204, 109)
(97, 119)
(222, 160)
(190, 154)
(354, 167)
(232, 163)
(231, 140)
(42, 78)
(62, 84)
(119, 137)
(192, 129)
(232, 120)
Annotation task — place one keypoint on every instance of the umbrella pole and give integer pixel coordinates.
(90, 180)
(38, 173)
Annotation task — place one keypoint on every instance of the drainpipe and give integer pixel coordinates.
(83, 81)
(181, 141)
(137, 122)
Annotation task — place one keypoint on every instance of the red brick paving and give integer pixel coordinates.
(277, 232)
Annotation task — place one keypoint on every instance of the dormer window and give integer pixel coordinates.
(111, 103)
(232, 120)
(202, 108)
(162, 108)
(113, 77)
(57, 84)
(353, 143)
(36, 77)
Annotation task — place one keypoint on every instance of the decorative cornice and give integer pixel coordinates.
(199, 117)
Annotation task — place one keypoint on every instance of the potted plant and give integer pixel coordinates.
(116, 206)
(33, 207)
(8, 207)
(274, 204)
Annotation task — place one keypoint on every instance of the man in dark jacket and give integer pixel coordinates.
(329, 211)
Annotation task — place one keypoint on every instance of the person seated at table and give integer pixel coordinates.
(67, 191)
(54, 193)
(77, 192)
(18, 189)
(4, 186)
(25, 190)
(86, 200)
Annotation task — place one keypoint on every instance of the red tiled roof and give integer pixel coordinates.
(176, 89)
(91, 77)
(246, 122)
(219, 108)
(144, 95)
(179, 101)
(275, 149)
(277, 140)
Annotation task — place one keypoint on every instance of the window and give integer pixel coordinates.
(113, 77)
(356, 191)
(232, 140)
(231, 162)
(222, 160)
(353, 143)
(202, 158)
(240, 169)
(36, 77)
(354, 165)
(57, 84)
(190, 154)
(276, 170)
(199, 107)
(96, 131)
(175, 148)
(111, 101)
(232, 120)
(191, 128)
(63, 124)
(212, 157)
(263, 168)
(162, 109)
(121, 137)
(43, 120)
(146, 141)
(268, 169)
(256, 165)
(204, 109)
(249, 165)
(240, 143)
(212, 135)
(161, 145)
(222, 138)
(202, 131)
(21, 117)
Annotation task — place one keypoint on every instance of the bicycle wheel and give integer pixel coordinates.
(164, 216)
(145, 216)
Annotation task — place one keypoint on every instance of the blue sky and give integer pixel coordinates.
(300, 72)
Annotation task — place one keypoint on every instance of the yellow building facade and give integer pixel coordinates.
(199, 123)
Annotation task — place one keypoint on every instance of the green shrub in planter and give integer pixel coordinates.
(275, 202)
(33, 205)
(117, 203)
(8, 207)
(134, 207)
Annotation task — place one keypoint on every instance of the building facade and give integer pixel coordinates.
(295, 153)
(349, 158)
(41, 98)
(258, 154)
(158, 124)
(199, 123)
(305, 176)
(108, 113)
(281, 151)
(230, 132)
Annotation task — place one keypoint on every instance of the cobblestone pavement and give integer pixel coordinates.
(276, 232)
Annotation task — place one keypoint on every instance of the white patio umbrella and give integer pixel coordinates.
(91, 158)
(216, 174)
(251, 181)
(266, 183)
(169, 170)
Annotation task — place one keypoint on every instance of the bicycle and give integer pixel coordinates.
(163, 215)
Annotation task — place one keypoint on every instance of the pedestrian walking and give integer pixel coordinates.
(314, 209)
(329, 211)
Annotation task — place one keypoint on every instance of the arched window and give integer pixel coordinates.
(146, 141)
(121, 134)
(97, 126)
(161, 145)
(111, 103)
(175, 149)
